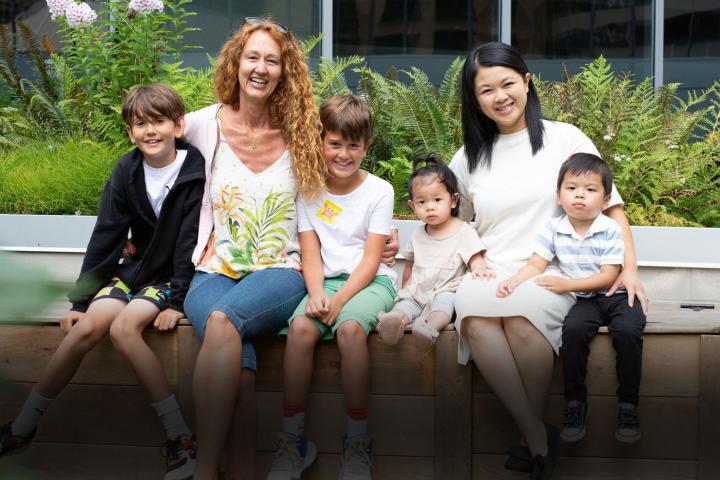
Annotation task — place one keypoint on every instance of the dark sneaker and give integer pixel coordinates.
(628, 430)
(519, 459)
(542, 467)
(573, 428)
(356, 458)
(11, 444)
(293, 456)
(180, 455)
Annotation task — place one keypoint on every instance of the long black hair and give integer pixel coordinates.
(480, 132)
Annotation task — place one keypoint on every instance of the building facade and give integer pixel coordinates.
(669, 40)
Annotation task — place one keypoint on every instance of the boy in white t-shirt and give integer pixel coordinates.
(589, 249)
(342, 236)
(155, 192)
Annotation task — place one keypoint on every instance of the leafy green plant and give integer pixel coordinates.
(54, 177)
(658, 145)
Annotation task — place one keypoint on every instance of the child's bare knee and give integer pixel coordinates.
(351, 333)
(302, 330)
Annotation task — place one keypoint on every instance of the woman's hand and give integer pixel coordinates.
(629, 279)
(392, 246)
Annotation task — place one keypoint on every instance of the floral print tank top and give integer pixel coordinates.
(254, 217)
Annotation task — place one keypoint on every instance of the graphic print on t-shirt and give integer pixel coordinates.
(329, 212)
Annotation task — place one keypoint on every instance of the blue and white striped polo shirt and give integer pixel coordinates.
(580, 257)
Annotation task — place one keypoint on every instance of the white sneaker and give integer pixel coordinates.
(356, 458)
(294, 454)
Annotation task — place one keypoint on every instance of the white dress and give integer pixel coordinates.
(511, 202)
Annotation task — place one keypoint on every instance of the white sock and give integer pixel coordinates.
(27, 420)
(356, 427)
(171, 417)
(294, 424)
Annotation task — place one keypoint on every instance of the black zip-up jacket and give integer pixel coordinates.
(163, 246)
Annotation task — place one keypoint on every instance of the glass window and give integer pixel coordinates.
(692, 43)
(427, 34)
(217, 19)
(553, 34)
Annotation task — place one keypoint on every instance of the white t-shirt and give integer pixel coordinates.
(515, 197)
(342, 223)
(159, 181)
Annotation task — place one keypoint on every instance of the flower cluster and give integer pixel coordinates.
(79, 14)
(145, 7)
(57, 8)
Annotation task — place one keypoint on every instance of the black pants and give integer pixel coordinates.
(625, 325)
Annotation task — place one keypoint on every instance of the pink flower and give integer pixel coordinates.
(79, 14)
(57, 8)
(145, 7)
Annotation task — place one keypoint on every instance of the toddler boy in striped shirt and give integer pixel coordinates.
(589, 250)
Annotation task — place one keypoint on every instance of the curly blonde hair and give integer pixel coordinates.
(292, 104)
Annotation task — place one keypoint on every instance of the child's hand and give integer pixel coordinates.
(334, 309)
(506, 287)
(552, 283)
(69, 319)
(482, 272)
(167, 319)
(317, 306)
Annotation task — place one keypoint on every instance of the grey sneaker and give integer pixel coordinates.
(293, 456)
(573, 428)
(628, 430)
(356, 458)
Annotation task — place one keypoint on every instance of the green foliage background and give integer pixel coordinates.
(664, 150)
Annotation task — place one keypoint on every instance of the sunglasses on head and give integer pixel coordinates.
(259, 21)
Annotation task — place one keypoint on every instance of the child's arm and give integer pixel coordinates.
(183, 268)
(312, 269)
(407, 272)
(104, 248)
(479, 267)
(535, 266)
(598, 281)
(359, 278)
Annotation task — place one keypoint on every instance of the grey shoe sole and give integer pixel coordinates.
(627, 438)
(574, 437)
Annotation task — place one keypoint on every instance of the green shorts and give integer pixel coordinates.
(378, 296)
(157, 294)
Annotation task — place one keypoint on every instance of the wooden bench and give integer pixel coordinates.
(430, 417)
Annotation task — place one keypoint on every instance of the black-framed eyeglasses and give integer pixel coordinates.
(259, 21)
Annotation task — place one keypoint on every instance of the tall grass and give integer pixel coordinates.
(54, 177)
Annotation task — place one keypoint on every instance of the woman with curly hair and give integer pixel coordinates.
(262, 147)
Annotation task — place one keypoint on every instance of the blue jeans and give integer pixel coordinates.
(257, 304)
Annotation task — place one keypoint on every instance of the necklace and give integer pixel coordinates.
(253, 141)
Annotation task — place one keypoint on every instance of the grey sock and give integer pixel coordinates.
(171, 417)
(27, 420)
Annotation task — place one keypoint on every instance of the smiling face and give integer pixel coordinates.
(260, 69)
(343, 157)
(582, 196)
(155, 137)
(501, 93)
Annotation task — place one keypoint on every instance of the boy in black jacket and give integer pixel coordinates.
(154, 193)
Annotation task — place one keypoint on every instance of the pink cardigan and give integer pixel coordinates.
(201, 131)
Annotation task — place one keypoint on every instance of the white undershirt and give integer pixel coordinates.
(159, 181)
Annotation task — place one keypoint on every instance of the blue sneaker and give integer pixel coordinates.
(294, 455)
(356, 458)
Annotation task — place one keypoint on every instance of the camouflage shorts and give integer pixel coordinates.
(158, 294)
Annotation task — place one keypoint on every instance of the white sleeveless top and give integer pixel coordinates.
(254, 216)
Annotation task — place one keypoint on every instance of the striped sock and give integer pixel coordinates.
(356, 421)
(293, 419)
